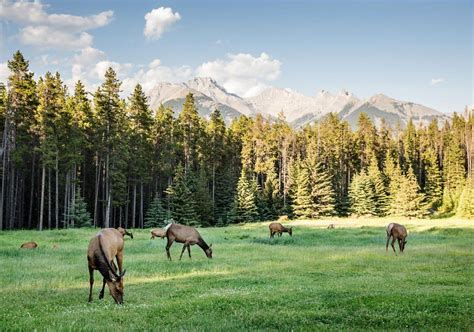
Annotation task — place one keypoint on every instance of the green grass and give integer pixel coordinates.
(317, 279)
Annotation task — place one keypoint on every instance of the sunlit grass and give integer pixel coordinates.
(320, 278)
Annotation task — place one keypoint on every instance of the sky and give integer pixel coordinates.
(418, 51)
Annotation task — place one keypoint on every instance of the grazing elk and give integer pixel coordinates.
(158, 233)
(188, 236)
(276, 227)
(331, 226)
(103, 247)
(396, 232)
(29, 245)
(124, 232)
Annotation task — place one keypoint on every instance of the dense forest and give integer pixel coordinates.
(76, 158)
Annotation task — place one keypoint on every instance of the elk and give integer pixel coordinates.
(29, 245)
(188, 236)
(103, 247)
(276, 227)
(124, 232)
(331, 226)
(158, 233)
(396, 232)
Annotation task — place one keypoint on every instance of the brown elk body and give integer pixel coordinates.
(158, 233)
(188, 236)
(29, 245)
(124, 232)
(277, 228)
(103, 247)
(331, 226)
(396, 232)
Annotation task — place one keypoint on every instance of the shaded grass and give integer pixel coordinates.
(318, 279)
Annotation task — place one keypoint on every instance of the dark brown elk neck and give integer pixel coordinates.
(202, 244)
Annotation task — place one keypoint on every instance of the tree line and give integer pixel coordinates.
(72, 159)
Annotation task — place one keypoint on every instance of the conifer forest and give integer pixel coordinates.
(91, 158)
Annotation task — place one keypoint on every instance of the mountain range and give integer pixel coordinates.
(298, 109)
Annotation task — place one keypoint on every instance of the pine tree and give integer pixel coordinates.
(433, 180)
(407, 200)
(302, 203)
(271, 200)
(156, 214)
(245, 200)
(363, 196)
(322, 194)
(466, 201)
(378, 185)
(182, 204)
(79, 213)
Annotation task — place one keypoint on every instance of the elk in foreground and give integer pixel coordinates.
(396, 232)
(29, 245)
(276, 227)
(103, 247)
(158, 233)
(124, 232)
(188, 236)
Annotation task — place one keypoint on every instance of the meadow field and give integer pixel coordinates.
(320, 278)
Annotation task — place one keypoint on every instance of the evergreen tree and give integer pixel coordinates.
(433, 180)
(156, 214)
(466, 201)
(245, 200)
(407, 200)
(302, 203)
(453, 173)
(378, 185)
(79, 213)
(181, 198)
(322, 194)
(271, 200)
(363, 195)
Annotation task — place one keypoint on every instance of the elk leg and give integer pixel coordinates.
(101, 294)
(189, 251)
(393, 247)
(182, 251)
(119, 257)
(386, 246)
(400, 249)
(168, 245)
(91, 282)
(271, 234)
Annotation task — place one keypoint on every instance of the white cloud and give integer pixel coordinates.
(4, 72)
(158, 21)
(38, 28)
(435, 81)
(242, 73)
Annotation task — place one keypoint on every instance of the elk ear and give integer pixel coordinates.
(210, 245)
(123, 273)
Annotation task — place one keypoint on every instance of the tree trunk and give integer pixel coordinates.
(66, 201)
(43, 176)
(49, 198)
(5, 152)
(141, 204)
(57, 191)
(134, 204)
(32, 191)
(97, 186)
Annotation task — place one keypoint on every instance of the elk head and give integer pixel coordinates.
(116, 287)
(290, 231)
(208, 251)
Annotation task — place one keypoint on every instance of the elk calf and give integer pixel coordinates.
(188, 236)
(29, 245)
(158, 233)
(103, 247)
(396, 232)
(276, 227)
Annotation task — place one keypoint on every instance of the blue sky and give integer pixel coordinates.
(420, 51)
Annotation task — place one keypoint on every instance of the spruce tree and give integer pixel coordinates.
(362, 195)
(79, 213)
(433, 180)
(181, 199)
(322, 193)
(302, 202)
(271, 200)
(156, 214)
(378, 184)
(407, 200)
(245, 200)
(466, 201)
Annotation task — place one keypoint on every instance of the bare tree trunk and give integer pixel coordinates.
(49, 198)
(126, 206)
(32, 191)
(73, 192)
(134, 204)
(43, 176)
(57, 191)
(11, 204)
(66, 200)
(108, 192)
(97, 186)
(5, 152)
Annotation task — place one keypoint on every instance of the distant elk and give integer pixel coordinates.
(158, 233)
(29, 245)
(331, 226)
(276, 227)
(188, 236)
(103, 247)
(124, 232)
(396, 232)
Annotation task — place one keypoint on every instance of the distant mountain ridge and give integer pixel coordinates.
(298, 109)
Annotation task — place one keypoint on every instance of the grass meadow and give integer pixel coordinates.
(319, 279)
